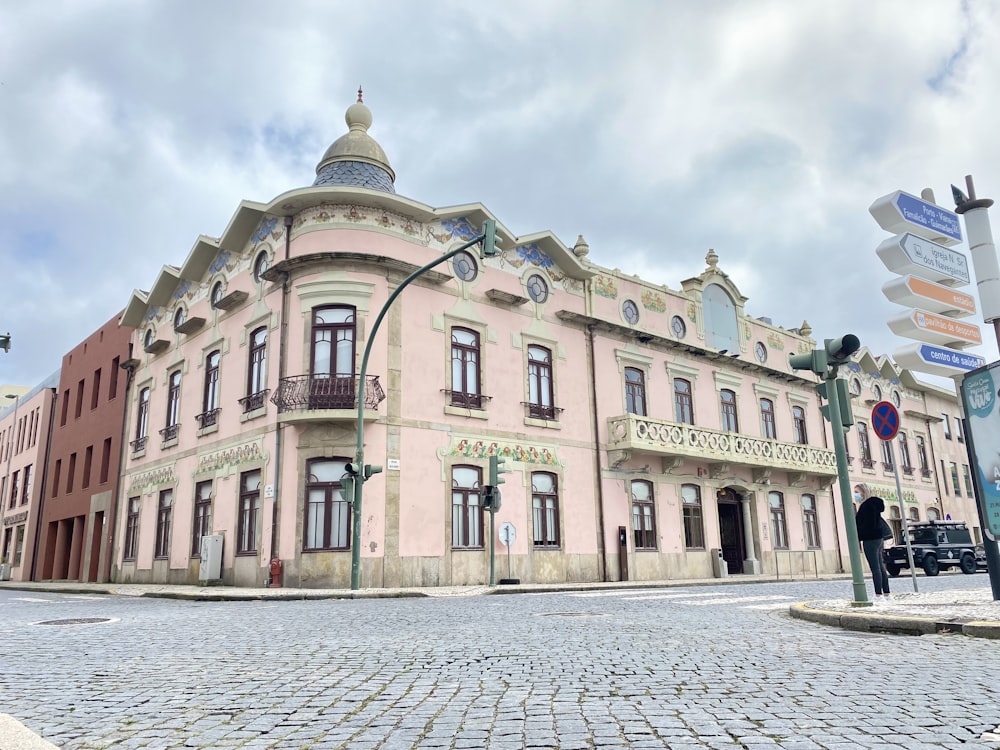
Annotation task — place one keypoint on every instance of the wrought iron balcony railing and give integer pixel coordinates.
(208, 418)
(169, 433)
(139, 444)
(254, 401)
(312, 392)
(634, 433)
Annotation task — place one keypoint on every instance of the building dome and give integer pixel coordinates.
(355, 159)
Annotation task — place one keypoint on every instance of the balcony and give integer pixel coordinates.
(631, 433)
(311, 398)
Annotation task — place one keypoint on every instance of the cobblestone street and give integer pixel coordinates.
(706, 666)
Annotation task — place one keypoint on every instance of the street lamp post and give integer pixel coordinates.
(359, 471)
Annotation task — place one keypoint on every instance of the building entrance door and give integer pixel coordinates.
(731, 530)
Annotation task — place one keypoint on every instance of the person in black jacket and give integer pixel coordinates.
(872, 533)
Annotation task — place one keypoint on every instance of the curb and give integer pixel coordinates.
(892, 624)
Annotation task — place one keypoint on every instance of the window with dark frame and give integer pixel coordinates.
(799, 425)
(210, 393)
(218, 292)
(466, 507)
(946, 423)
(779, 528)
(465, 370)
(95, 391)
(70, 472)
(886, 455)
(694, 527)
(105, 460)
(27, 481)
(635, 391)
(332, 357)
(260, 265)
(164, 512)
(864, 447)
(327, 521)
(922, 456)
(141, 420)
(727, 399)
(249, 512)
(131, 530)
(683, 411)
(767, 424)
(540, 393)
(954, 480)
(12, 501)
(545, 508)
(904, 454)
(202, 525)
(968, 480)
(173, 400)
(88, 460)
(810, 521)
(643, 515)
(113, 380)
(256, 370)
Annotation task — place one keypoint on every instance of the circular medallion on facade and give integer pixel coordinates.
(760, 352)
(630, 311)
(678, 327)
(538, 290)
(465, 266)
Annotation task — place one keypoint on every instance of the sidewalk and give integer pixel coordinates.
(971, 612)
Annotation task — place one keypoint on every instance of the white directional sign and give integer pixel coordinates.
(936, 360)
(916, 292)
(902, 212)
(935, 329)
(908, 253)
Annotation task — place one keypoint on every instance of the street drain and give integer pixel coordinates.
(75, 621)
(571, 614)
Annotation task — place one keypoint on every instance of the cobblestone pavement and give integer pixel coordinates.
(680, 667)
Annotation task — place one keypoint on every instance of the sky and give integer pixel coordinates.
(657, 129)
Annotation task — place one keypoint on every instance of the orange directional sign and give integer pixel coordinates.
(916, 292)
(935, 329)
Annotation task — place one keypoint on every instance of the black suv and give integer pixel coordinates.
(936, 545)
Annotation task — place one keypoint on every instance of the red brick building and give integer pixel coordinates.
(84, 458)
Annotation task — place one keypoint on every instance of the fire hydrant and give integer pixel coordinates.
(275, 570)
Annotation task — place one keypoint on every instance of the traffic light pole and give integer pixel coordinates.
(840, 449)
(359, 453)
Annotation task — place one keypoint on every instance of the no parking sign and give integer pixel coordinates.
(885, 420)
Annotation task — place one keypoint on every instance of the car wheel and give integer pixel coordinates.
(893, 569)
(931, 566)
(968, 564)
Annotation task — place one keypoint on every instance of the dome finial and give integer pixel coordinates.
(360, 100)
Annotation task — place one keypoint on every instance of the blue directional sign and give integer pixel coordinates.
(937, 360)
(885, 420)
(901, 212)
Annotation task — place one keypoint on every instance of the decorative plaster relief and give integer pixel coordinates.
(473, 448)
(230, 458)
(606, 286)
(653, 301)
(157, 477)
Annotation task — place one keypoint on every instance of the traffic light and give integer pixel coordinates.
(491, 498)
(5, 342)
(491, 243)
(843, 402)
(352, 469)
(840, 350)
(496, 469)
(815, 360)
(347, 488)
(372, 469)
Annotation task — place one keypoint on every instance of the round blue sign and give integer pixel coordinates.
(885, 420)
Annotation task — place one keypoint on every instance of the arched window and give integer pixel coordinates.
(545, 508)
(683, 411)
(730, 423)
(720, 319)
(779, 527)
(327, 520)
(767, 428)
(540, 402)
(466, 507)
(799, 425)
(694, 530)
(465, 371)
(332, 385)
(256, 370)
(635, 391)
(643, 515)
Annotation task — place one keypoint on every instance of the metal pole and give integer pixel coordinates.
(359, 453)
(902, 513)
(493, 544)
(840, 449)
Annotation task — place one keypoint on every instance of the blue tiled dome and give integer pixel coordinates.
(355, 159)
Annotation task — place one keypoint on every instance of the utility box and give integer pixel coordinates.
(211, 558)
(720, 568)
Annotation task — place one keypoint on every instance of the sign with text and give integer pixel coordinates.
(979, 397)
(908, 253)
(935, 329)
(902, 212)
(912, 291)
(936, 360)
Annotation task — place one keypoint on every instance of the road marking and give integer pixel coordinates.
(738, 600)
(628, 593)
(32, 599)
(655, 597)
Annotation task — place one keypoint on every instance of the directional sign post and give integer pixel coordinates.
(885, 423)
(936, 360)
(908, 253)
(902, 212)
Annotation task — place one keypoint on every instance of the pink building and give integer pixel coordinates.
(649, 429)
(24, 429)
